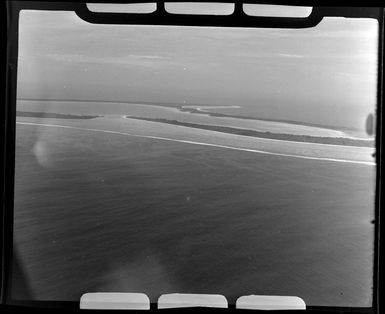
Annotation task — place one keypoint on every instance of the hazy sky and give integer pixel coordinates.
(316, 71)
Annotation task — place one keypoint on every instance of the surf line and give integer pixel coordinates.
(200, 143)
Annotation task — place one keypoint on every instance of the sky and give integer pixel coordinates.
(325, 74)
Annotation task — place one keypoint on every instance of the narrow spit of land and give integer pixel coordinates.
(278, 136)
(52, 115)
(201, 109)
(219, 128)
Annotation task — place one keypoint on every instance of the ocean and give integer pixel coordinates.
(98, 211)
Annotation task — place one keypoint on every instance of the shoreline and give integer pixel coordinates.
(30, 114)
(192, 108)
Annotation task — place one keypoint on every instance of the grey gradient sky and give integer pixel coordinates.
(309, 72)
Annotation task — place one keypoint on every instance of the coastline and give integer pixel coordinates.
(197, 109)
(338, 141)
(30, 114)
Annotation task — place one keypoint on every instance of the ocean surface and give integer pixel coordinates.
(116, 204)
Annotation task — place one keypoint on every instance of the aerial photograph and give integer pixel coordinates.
(180, 159)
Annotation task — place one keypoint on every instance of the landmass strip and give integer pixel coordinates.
(194, 109)
(52, 115)
(218, 128)
(278, 136)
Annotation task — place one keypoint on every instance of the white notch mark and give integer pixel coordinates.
(179, 300)
(270, 302)
(114, 301)
(122, 7)
(201, 8)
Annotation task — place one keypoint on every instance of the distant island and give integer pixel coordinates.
(270, 135)
(192, 109)
(52, 115)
